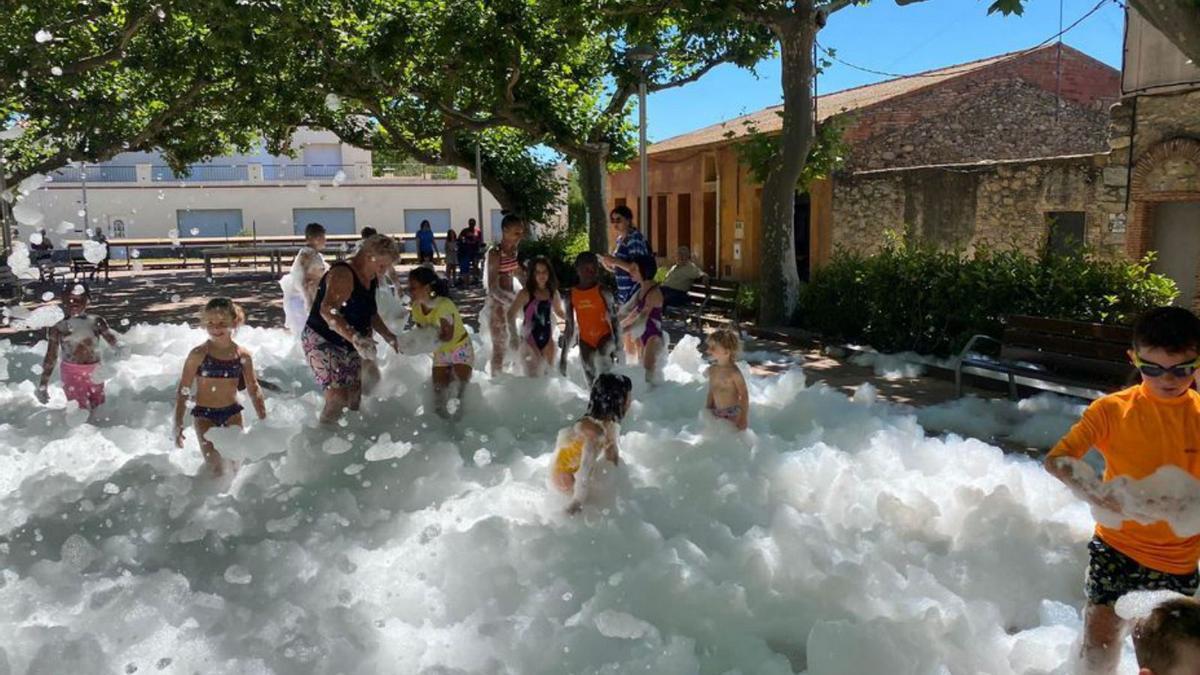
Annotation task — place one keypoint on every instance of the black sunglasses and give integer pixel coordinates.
(1151, 369)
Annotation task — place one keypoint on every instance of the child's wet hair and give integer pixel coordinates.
(427, 277)
(1159, 637)
(313, 230)
(531, 276)
(647, 265)
(226, 306)
(727, 339)
(610, 393)
(586, 258)
(511, 220)
(1172, 329)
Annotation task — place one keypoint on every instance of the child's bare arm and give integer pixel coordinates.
(252, 385)
(613, 321)
(183, 392)
(592, 436)
(743, 394)
(568, 332)
(53, 337)
(517, 306)
(557, 305)
(710, 403)
(106, 332)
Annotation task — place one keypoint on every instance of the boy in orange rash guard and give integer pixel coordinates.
(1138, 431)
(592, 314)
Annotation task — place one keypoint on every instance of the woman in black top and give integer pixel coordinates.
(339, 333)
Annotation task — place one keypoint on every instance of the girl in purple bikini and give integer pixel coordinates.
(643, 317)
(213, 374)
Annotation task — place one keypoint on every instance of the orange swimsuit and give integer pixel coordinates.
(591, 314)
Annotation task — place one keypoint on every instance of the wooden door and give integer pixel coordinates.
(683, 221)
(710, 261)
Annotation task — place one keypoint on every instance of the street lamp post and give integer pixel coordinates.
(5, 225)
(642, 56)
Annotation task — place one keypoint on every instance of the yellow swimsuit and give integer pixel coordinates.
(569, 455)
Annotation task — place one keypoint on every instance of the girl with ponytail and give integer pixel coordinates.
(454, 356)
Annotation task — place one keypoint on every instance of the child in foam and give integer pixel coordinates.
(643, 317)
(539, 304)
(579, 446)
(75, 338)
(454, 356)
(213, 374)
(728, 398)
(300, 284)
(592, 310)
(502, 268)
(1138, 431)
(1167, 642)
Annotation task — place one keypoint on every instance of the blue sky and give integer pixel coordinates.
(882, 36)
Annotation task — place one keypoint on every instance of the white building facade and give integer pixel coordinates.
(136, 195)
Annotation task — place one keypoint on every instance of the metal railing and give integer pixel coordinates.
(414, 170)
(240, 173)
(96, 173)
(306, 171)
(136, 253)
(202, 173)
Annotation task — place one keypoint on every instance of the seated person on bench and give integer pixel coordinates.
(680, 278)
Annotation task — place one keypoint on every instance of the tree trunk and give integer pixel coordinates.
(1178, 20)
(593, 182)
(451, 154)
(780, 282)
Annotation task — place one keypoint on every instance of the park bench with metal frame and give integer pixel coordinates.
(1040, 351)
(10, 284)
(88, 270)
(712, 301)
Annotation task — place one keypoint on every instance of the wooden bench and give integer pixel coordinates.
(1077, 354)
(82, 267)
(709, 301)
(10, 284)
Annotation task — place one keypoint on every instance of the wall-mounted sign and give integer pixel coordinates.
(737, 250)
(1116, 223)
(739, 230)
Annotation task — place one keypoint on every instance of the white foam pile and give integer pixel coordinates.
(834, 537)
(1169, 494)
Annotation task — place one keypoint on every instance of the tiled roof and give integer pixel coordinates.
(769, 120)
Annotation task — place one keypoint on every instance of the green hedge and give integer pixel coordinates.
(916, 298)
(561, 248)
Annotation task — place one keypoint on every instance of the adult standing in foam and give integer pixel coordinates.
(631, 246)
(340, 329)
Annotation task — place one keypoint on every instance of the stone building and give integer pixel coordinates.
(1005, 149)
(1152, 174)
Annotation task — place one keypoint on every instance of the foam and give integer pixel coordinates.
(835, 536)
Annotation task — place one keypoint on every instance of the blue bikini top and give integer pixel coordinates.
(221, 369)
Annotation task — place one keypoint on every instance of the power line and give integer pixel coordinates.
(945, 73)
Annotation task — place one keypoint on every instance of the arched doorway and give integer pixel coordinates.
(1165, 194)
